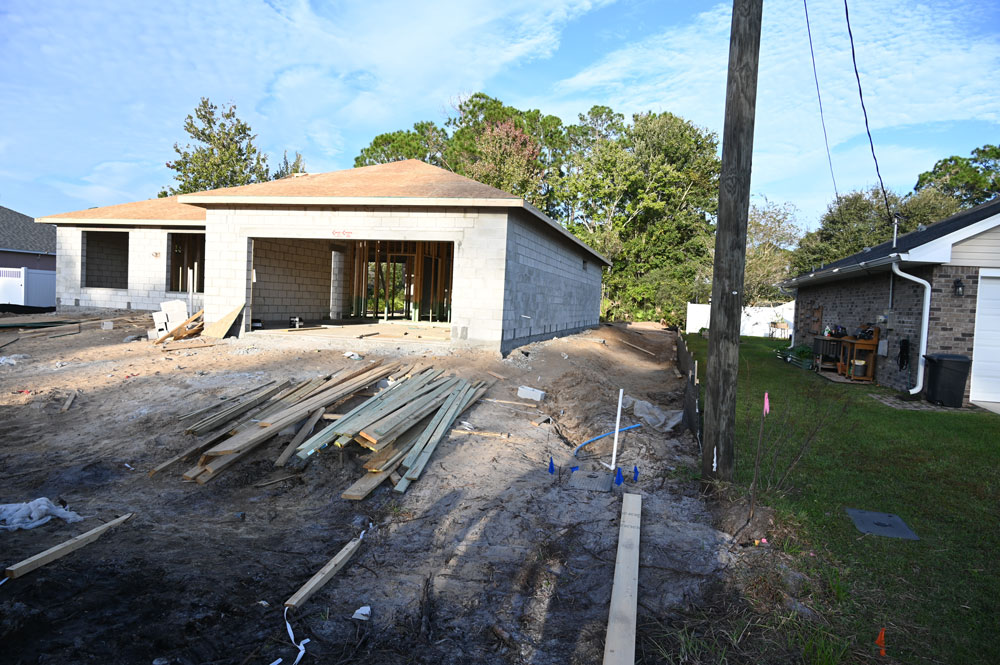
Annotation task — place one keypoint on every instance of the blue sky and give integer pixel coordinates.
(95, 93)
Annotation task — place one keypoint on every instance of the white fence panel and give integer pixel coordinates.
(755, 321)
(11, 286)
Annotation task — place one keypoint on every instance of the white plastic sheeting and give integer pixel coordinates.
(28, 515)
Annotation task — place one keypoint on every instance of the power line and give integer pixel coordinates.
(885, 197)
(819, 98)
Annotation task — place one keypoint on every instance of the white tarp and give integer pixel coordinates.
(14, 516)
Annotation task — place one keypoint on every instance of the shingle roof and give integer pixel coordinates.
(410, 178)
(20, 232)
(914, 239)
(152, 209)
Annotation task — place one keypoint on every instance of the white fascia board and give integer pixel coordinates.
(939, 250)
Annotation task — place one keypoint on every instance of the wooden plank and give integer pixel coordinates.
(210, 407)
(497, 376)
(74, 331)
(212, 422)
(300, 436)
(277, 480)
(219, 329)
(413, 411)
(533, 405)
(323, 576)
(180, 327)
(367, 484)
(9, 339)
(190, 332)
(187, 344)
(189, 452)
(457, 404)
(637, 347)
(619, 644)
(495, 435)
(386, 457)
(61, 550)
(68, 403)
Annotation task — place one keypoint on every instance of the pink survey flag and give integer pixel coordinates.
(767, 405)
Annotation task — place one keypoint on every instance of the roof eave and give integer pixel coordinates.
(561, 229)
(842, 272)
(204, 200)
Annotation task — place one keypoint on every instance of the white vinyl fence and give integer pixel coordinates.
(25, 286)
(756, 321)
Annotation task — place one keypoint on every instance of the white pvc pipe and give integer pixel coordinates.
(924, 325)
(618, 426)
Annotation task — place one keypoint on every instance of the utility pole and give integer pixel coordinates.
(718, 452)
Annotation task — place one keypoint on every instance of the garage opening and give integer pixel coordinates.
(105, 259)
(352, 283)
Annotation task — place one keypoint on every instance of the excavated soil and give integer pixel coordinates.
(488, 558)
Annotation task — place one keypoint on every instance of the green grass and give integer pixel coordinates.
(939, 597)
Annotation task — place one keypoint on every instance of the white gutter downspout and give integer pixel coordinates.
(924, 321)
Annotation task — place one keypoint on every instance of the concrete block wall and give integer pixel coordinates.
(146, 265)
(553, 287)
(340, 285)
(105, 259)
(853, 302)
(292, 279)
(479, 235)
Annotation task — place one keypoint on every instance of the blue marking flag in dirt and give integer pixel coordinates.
(619, 479)
(635, 473)
(552, 466)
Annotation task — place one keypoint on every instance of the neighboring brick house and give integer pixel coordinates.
(958, 259)
(24, 244)
(436, 246)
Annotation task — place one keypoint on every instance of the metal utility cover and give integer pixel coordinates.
(598, 481)
(881, 524)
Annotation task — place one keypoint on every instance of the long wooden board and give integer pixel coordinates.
(367, 483)
(61, 550)
(300, 436)
(619, 644)
(317, 581)
(219, 329)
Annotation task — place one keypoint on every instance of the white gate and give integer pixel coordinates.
(25, 286)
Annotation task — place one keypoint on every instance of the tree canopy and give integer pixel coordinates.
(971, 180)
(859, 219)
(224, 153)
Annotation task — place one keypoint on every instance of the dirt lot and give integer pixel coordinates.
(488, 558)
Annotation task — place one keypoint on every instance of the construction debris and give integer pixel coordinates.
(527, 392)
(325, 573)
(61, 550)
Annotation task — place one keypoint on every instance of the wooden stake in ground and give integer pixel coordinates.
(323, 576)
(68, 403)
(718, 455)
(619, 645)
(62, 549)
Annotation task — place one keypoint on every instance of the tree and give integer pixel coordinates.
(859, 219)
(286, 169)
(507, 158)
(771, 234)
(970, 180)
(224, 154)
(426, 142)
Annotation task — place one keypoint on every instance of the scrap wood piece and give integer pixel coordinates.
(367, 483)
(61, 550)
(68, 403)
(372, 334)
(477, 432)
(189, 452)
(496, 376)
(323, 576)
(178, 329)
(619, 644)
(198, 412)
(220, 328)
(300, 436)
(10, 339)
(278, 480)
(637, 347)
(533, 405)
(189, 332)
(74, 331)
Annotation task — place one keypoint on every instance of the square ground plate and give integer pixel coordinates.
(597, 481)
(881, 524)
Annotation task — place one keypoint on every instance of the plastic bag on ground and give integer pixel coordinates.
(14, 516)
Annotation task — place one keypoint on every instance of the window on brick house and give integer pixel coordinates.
(185, 258)
(105, 259)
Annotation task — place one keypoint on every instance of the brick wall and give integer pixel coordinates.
(292, 279)
(552, 287)
(862, 300)
(146, 264)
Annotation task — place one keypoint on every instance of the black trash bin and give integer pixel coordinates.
(946, 377)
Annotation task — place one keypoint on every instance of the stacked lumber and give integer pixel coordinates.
(401, 425)
(282, 410)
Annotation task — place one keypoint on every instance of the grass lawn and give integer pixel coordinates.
(938, 598)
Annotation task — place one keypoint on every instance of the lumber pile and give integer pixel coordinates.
(400, 425)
